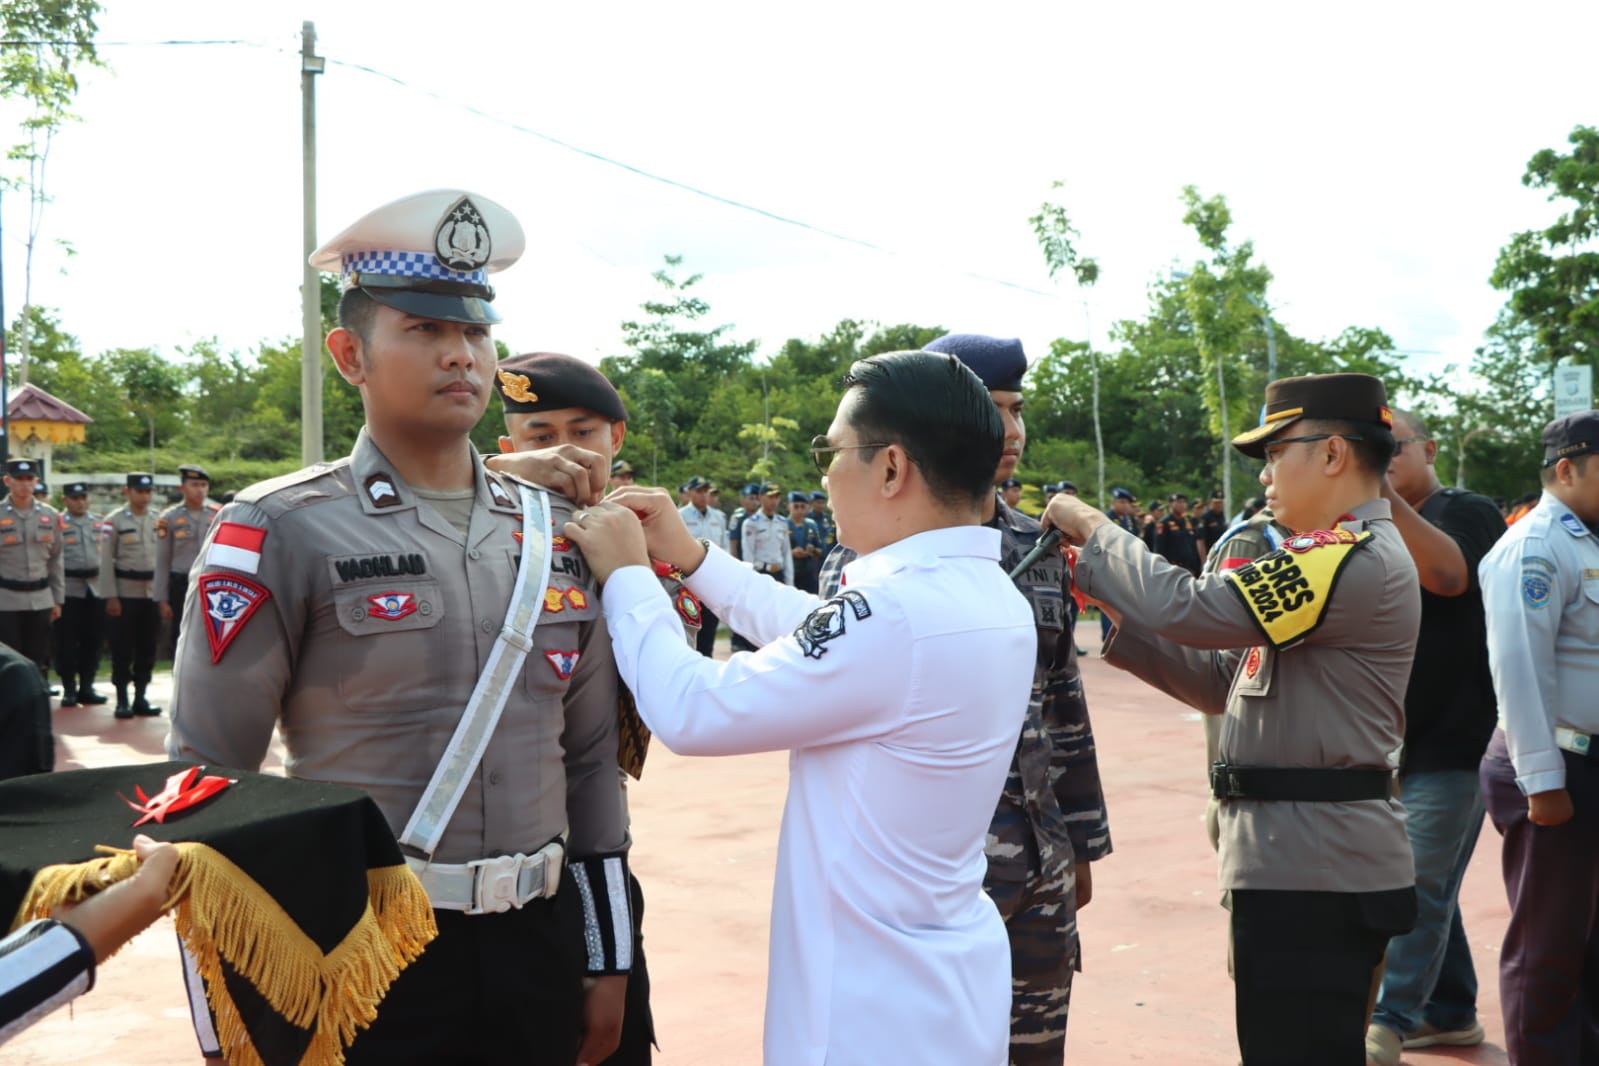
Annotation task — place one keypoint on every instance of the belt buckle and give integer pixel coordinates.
(494, 884)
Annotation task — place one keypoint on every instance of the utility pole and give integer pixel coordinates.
(311, 65)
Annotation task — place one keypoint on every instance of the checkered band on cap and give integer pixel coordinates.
(409, 265)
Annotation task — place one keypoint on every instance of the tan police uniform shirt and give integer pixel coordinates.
(128, 544)
(80, 553)
(30, 553)
(179, 532)
(360, 626)
(1335, 699)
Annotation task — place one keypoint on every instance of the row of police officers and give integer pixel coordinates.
(63, 574)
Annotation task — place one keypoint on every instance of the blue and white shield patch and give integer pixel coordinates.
(1535, 590)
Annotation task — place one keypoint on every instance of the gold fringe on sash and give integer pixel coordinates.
(223, 914)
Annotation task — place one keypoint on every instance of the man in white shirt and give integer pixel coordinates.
(1540, 775)
(706, 523)
(764, 541)
(884, 947)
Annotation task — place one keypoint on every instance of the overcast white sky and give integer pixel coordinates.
(1372, 151)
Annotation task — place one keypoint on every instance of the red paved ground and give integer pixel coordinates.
(1155, 988)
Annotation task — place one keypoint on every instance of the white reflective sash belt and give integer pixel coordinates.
(453, 775)
(491, 886)
(1573, 741)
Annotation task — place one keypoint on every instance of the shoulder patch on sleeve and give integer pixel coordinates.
(1287, 590)
(227, 601)
(1536, 587)
(826, 623)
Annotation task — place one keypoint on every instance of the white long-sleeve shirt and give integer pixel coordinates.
(884, 947)
(1540, 595)
(764, 543)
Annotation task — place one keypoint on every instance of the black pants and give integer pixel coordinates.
(491, 989)
(77, 634)
(29, 633)
(705, 642)
(133, 637)
(177, 590)
(638, 1025)
(1303, 965)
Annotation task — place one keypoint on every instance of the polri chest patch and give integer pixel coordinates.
(827, 622)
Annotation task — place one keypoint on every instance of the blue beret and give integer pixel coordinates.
(752, 489)
(1123, 494)
(818, 495)
(1010, 483)
(799, 497)
(998, 361)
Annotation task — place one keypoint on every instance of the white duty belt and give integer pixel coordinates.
(531, 876)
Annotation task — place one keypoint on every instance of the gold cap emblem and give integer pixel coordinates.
(517, 387)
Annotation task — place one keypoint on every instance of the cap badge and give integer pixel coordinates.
(462, 240)
(518, 387)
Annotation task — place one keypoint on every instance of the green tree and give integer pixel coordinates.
(1552, 274)
(1057, 239)
(47, 42)
(153, 387)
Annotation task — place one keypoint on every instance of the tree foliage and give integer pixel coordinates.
(1552, 274)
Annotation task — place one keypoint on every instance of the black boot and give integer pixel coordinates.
(69, 695)
(123, 710)
(87, 695)
(141, 707)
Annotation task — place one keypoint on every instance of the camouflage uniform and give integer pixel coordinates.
(1051, 814)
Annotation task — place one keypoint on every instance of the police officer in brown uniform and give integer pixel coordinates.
(128, 542)
(552, 400)
(31, 581)
(361, 607)
(78, 630)
(181, 528)
(1307, 653)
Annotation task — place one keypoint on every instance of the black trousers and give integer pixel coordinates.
(1303, 965)
(133, 638)
(177, 589)
(77, 641)
(491, 989)
(29, 633)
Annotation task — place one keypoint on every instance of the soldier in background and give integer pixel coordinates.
(1176, 537)
(1212, 523)
(824, 521)
(805, 541)
(78, 630)
(31, 583)
(128, 543)
(180, 529)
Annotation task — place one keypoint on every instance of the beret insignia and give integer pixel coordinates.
(518, 387)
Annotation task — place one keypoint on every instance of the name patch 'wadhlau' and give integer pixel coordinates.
(1287, 590)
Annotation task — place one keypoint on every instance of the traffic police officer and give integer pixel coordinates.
(1314, 855)
(78, 630)
(355, 605)
(128, 542)
(31, 581)
(1050, 823)
(180, 529)
(1540, 775)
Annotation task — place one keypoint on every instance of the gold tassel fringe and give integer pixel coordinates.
(223, 913)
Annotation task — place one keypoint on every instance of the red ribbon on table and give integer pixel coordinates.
(184, 789)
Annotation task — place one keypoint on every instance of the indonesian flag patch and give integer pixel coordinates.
(228, 602)
(237, 547)
(562, 662)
